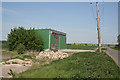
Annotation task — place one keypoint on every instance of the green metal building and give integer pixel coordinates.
(52, 39)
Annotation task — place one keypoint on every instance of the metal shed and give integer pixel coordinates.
(52, 39)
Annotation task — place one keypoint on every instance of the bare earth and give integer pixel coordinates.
(14, 67)
(75, 50)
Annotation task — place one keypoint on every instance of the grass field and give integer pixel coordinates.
(80, 47)
(115, 48)
(7, 53)
(79, 65)
(3, 45)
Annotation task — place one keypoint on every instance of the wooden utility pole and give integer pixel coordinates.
(98, 28)
(98, 25)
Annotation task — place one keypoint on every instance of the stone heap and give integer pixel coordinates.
(19, 61)
(51, 54)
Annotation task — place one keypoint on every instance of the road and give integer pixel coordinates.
(114, 54)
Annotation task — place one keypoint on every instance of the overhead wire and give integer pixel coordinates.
(102, 22)
(94, 13)
(94, 16)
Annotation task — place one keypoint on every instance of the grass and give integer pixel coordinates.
(81, 47)
(79, 65)
(27, 54)
(7, 53)
(104, 48)
(115, 48)
(3, 45)
(0, 45)
(10, 53)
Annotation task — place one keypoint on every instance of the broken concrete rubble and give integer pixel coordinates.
(18, 61)
(51, 54)
(60, 54)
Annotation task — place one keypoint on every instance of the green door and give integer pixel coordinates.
(53, 42)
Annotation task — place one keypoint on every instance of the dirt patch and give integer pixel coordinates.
(16, 65)
(17, 68)
(75, 50)
(18, 61)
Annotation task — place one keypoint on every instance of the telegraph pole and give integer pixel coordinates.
(98, 25)
(98, 28)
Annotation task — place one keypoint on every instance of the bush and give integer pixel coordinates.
(27, 56)
(14, 63)
(28, 38)
(104, 48)
(20, 49)
(11, 73)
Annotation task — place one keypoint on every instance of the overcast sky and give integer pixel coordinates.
(76, 19)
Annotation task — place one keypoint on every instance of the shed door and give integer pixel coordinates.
(53, 41)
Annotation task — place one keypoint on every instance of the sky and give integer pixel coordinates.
(76, 19)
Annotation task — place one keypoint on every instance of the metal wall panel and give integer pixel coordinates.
(44, 33)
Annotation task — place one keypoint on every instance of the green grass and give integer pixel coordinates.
(80, 47)
(79, 65)
(9, 53)
(104, 48)
(27, 54)
(115, 48)
(0, 45)
(3, 45)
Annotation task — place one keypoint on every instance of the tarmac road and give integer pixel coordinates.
(114, 54)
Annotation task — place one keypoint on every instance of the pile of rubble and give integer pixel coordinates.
(18, 61)
(51, 54)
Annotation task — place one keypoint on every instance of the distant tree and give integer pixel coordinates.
(119, 39)
(118, 46)
(74, 43)
(28, 38)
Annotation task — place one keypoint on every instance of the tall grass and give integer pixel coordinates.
(79, 65)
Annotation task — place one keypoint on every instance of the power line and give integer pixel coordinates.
(93, 15)
(102, 22)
